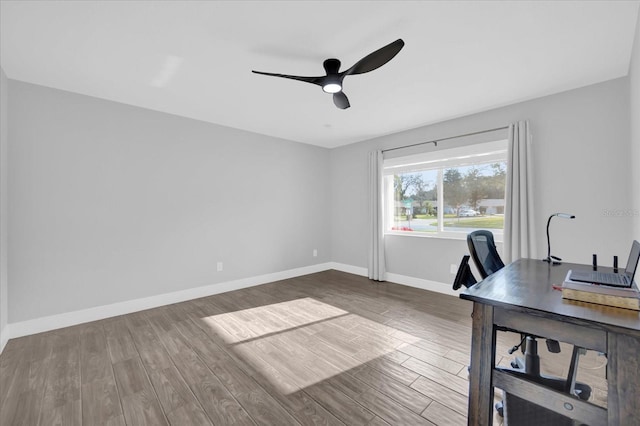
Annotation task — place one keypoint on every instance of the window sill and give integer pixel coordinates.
(440, 236)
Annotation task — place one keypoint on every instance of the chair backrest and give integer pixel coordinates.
(483, 250)
(464, 277)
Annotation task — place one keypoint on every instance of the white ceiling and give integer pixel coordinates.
(194, 59)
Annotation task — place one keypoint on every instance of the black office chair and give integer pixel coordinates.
(485, 255)
(483, 250)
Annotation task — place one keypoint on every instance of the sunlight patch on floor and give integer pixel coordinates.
(246, 324)
(298, 343)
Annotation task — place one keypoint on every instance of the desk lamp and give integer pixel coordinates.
(554, 260)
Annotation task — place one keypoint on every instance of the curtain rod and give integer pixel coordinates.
(435, 141)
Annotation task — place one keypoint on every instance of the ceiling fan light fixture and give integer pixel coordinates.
(332, 87)
(332, 81)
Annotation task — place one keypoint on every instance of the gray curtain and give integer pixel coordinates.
(376, 262)
(519, 232)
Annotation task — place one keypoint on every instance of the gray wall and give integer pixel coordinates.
(4, 140)
(110, 203)
(581, 156)
(634, 77)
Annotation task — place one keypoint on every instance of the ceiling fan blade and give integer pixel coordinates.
(376, 59)
(341, 100)
(313, 80)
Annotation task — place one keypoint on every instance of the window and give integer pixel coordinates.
(449, 192)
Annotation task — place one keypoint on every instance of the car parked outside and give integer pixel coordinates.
(467, 213)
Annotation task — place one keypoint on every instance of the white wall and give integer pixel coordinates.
(4, 138)
(110, 203)
(581, 154)
(634, 110)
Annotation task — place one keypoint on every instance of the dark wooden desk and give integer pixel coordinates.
(520, 296)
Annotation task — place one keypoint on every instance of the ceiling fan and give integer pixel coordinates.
(332, 82)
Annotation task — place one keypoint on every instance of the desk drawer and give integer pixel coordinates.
(582, 336)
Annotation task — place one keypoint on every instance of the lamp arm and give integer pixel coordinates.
(548, 239)
(554, 260)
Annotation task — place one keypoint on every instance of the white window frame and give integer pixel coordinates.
(486, 152)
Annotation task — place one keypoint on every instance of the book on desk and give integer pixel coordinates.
(628, 298)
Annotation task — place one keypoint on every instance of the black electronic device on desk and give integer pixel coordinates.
(624, 279)
(464, 275)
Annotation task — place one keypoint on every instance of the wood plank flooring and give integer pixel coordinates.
(324, 349)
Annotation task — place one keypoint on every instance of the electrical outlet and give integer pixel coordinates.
(453, 269)
(315, 252)
(219, 266)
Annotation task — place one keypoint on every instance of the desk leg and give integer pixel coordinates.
(483, 353)
(624, 386)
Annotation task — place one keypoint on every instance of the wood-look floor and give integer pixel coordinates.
(328, 348)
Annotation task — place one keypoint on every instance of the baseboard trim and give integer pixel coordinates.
(420, 283)
(42, 324)
(4, 337)
(350, 269)
(52, 322)
(423, 284)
